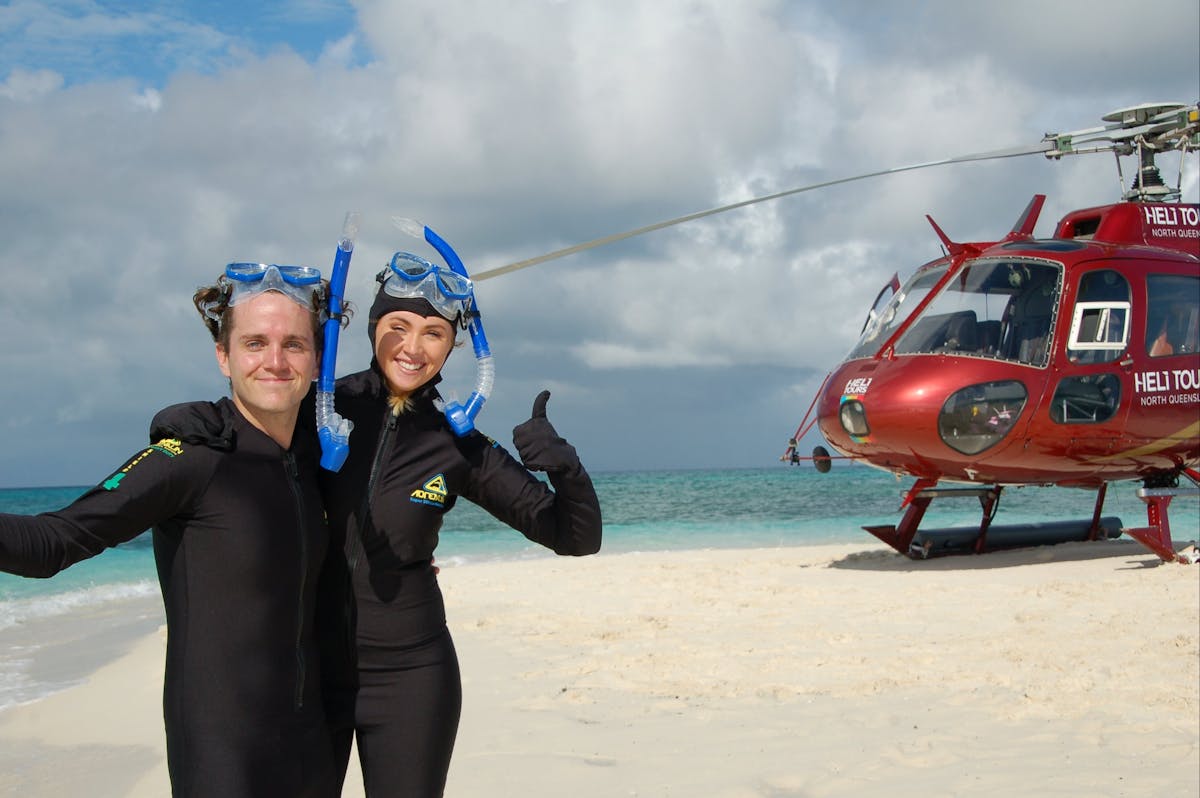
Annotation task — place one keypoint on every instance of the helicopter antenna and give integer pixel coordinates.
(1147, 129)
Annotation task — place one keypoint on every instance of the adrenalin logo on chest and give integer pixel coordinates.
(433, 492)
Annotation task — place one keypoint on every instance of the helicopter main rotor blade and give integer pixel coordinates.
(1041, 147)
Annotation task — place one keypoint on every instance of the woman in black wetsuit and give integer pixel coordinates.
(230, 490)
(406, 468)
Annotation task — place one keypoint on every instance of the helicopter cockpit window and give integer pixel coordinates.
(1100, 322)
(1001, 309)
(1173, 318)
(881, 323)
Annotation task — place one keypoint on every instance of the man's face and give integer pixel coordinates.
(271, 361)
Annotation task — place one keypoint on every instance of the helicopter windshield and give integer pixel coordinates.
(882, 322)
(1003, 309)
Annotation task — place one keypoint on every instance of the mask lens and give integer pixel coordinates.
(245, 272)
(410, 267)
(300, 275)
(454, 284)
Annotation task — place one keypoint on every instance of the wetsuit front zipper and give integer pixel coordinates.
(356, 544)
(385, 438)
(289, 462)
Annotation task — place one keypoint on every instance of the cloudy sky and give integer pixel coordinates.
(145, 144)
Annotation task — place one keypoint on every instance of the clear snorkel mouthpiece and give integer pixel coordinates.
(461, 417)
(332, 429)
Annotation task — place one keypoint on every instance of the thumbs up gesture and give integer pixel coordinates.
(538, 443)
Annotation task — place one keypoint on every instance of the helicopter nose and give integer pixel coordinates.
(918, 405)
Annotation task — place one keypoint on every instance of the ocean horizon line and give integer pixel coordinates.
(777, 464)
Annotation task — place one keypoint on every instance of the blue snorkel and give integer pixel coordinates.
(333, 430)
(460, 417)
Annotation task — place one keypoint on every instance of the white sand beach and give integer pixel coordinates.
(1071, 670)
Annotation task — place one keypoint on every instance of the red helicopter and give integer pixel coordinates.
(1070, 361)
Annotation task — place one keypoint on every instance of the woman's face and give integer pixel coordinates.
(411, 349)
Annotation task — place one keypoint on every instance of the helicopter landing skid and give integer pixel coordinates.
(1157, 535)
(902, 537)
(921, 544)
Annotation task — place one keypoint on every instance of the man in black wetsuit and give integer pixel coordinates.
(230, 490)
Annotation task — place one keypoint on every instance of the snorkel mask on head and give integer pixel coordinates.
(452, 294)
(410, 276)
(243, 281)
(248, 280)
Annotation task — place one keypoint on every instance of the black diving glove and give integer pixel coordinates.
(538, 443)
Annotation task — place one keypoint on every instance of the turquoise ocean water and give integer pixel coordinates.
(644, 511)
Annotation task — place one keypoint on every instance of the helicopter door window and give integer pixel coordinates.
(1173, 320)
(1100, 323)
(1089, 399)
(1099, 332)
